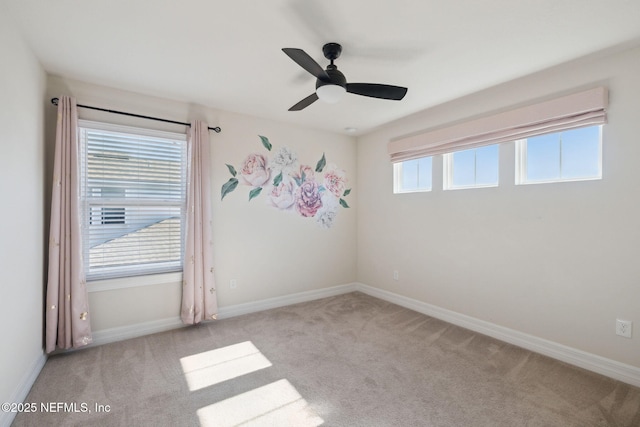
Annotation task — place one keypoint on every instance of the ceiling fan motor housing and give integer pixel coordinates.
(335, 78)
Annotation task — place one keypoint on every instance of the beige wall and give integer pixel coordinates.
(22, 217)
(557, 261)
(268, 252)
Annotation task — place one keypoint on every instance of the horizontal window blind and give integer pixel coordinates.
(133, 200)
(568, 112)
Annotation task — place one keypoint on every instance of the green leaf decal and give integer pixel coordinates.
(255, 192)
(265, 142)
(346, 192)
(343, 203)
(277, 180)
(229, 186)
(232, 170)
(321, 164)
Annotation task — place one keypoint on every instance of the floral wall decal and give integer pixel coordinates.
(290, 185)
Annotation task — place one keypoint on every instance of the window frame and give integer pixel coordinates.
(116, 277)
(397, 178)
(521, 162)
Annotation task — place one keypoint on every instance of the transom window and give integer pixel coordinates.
(570, 155)
(412, 175)
(477, 167)
(133, 189)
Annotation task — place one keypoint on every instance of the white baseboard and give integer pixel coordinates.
(121, 333)
(266, 304)
(601, 365)
(610, 368)
(20, 393)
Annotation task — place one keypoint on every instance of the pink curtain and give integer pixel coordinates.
(67, 311)
(199, 299)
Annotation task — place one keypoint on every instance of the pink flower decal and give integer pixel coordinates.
(254, 170)
(308, 199)
(283, 196)
(306, 172)
(290, 185)
(335, 180)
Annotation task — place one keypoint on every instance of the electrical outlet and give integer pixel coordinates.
(623, 328)
(233, 283)
(396, 275)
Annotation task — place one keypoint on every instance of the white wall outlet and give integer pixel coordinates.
(623, 328)
(233, 283)
(396, 275)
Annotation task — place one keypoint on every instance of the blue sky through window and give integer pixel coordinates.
(571, 154)
(581, 152)
(416, 174)
(475, 167)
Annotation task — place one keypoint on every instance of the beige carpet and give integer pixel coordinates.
(350, 360)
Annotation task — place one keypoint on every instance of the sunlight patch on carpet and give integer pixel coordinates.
(213, 367)
(276, 404)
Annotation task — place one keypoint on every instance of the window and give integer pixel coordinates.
(570, 155)
(412, 175)
(477, 167)
(133, 189)
(110, 215)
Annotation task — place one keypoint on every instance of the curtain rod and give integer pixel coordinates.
(216, 129)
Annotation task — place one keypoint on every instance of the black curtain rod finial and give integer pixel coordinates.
(216, 129)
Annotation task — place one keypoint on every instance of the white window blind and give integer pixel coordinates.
(133, 188)
(581, 109)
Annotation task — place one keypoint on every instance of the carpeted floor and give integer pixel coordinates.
(350, 360)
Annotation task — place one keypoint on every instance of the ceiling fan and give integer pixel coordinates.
(331, 84)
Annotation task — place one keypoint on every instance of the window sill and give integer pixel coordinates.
(556, 181)
(470, 187)
(420, 190)
(133, 282)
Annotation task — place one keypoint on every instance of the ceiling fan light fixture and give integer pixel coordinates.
(331, 93)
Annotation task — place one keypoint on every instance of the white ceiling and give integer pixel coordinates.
(227, 54)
